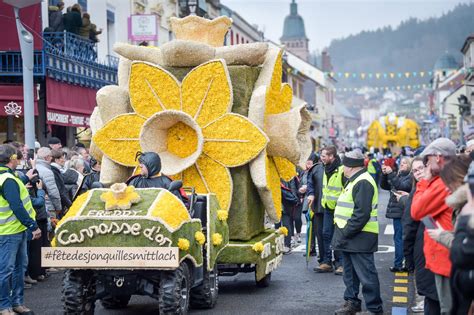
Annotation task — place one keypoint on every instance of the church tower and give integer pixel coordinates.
(294, 34)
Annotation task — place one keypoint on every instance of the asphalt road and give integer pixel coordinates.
(295, 288)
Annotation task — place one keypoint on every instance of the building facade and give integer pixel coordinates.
(294, 33)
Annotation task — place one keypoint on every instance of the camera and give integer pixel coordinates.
(35, 179)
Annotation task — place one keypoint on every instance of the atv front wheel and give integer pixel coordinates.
(173, 297)
(205, 295)
(78, 292)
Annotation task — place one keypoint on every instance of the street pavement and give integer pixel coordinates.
(295, 288)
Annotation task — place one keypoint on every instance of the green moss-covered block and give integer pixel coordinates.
(214, 225)
(246, 213)
(157, 236)
(241, 252)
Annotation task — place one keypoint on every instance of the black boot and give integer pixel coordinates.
(349, 308)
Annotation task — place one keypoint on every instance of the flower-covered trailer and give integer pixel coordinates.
(223, 124)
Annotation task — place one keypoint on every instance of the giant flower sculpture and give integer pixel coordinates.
(188, 123)
(287, 128)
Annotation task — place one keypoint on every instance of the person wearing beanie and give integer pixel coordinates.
(356, 236)
(55, 143)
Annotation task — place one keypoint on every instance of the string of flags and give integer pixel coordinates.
(385, 88)
(384, 75)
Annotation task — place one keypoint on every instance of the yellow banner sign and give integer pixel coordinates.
(110, 257)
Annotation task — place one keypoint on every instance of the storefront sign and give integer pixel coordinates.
(110, 257)
(13, 109)
(143, 27)
(71, 120)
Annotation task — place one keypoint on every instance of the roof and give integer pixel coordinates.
(294, 25)
(467, 42)
(313, 73)
(445, 62)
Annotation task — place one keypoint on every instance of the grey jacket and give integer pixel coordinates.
(47, 176)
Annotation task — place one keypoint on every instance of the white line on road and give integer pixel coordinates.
(389, 230)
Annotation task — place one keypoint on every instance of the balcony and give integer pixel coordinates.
(65, 57)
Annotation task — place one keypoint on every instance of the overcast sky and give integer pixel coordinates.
(330, 19)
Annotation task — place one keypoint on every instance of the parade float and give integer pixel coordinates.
(393, 131)
(223, 123)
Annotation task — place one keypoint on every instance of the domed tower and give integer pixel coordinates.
(294, 34)
(444, 66)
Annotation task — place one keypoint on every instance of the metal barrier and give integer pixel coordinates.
(11, 63)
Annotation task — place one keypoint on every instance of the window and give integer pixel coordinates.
(237, 39)
(231, 37)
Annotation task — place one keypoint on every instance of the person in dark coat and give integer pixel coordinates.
(73, 19)
(56, 17)
(396, 182)
(150, 166)
(57, 167)
(290, 200)
(356, 236)
(413, 248)
(314, 186)
(94, 175)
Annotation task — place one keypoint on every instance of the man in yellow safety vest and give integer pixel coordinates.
(332, 183)
(17, 220)
(356, 236)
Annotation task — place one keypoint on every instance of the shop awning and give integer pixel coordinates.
(11, 100)
(68, 105)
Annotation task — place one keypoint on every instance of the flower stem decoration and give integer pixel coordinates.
(283, 230)
(258, 247)
(217, 239)
(222, 215)
(199, 237)
(120, 196)
(183, 244)
(188, 123)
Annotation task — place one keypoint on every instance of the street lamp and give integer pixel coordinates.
(26, 46)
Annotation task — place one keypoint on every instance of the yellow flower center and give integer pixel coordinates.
(182, 140)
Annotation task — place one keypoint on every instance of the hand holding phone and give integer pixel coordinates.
(429, 222)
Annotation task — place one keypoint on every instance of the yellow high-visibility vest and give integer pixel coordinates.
(9, 223)
(332, 189)
(345, 205)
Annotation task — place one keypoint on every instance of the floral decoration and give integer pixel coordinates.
(188, 123)
(283, 230)
(258, 247)
(120, 196)
(217, 239)
(199, 237)
(222, 215)
(266, 169)
(170, 209)
(183, 244)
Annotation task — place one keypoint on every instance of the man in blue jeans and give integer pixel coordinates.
(332, 183)
(17, 220)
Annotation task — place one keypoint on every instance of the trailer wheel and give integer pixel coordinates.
(78, 293)
(264, 282)
(115, 302)
(205, 295)
(173, 294)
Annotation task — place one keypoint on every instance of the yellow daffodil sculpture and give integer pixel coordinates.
(188, 123)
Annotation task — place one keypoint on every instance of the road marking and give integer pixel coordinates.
(400, 299)
(399, 310)
(401, 280)
(389, 229)
(401, 274)
(400, 289)
(383, 249)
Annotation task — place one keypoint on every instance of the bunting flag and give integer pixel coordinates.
(384, 75)
(408, 87)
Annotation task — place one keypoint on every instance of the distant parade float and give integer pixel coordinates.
(391, 131)
(224, 126)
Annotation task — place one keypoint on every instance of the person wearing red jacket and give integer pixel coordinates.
(429, 200)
